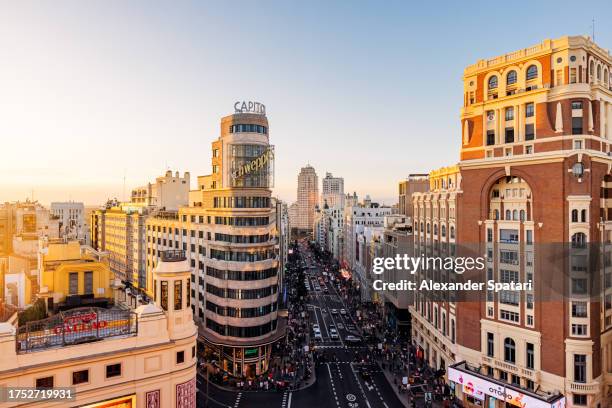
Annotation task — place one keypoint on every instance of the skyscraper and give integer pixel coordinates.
(307, 198)
(333, 191)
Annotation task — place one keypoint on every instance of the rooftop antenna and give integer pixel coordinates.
(593, 29)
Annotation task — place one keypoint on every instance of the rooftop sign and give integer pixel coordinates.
(250, 107)
(75, 326)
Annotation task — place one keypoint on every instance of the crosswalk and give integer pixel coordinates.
(237, 400)
(286, 400)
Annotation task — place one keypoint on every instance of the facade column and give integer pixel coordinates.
(518, 116)
(559, 119)
(498, 125)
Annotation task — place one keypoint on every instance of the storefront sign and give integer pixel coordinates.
(250, 107)
(478, 387)
(122, 402)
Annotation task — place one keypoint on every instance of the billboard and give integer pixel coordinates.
(251, 165)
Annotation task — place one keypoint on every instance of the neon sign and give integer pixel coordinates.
(250, 107)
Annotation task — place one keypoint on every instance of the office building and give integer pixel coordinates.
(332, 191)
(307, 198)
(230, 234)
(413, 184)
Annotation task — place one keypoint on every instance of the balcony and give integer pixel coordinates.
(583, 388)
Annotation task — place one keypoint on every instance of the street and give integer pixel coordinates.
(346, 373)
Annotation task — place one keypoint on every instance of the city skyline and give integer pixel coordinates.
(86, 124)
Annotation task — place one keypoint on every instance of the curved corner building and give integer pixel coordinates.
(241, 282)
(229, 234)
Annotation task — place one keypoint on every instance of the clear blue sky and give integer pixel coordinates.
(370, 91)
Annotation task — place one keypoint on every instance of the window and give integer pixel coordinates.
(73, 283)
(164, 295)
(509, 350)
(88, 282)
(493, 82)
(178, 295)
(579, 330)
(574, 215)
(530, 357)
(579, 240)
(509, 135)
(490, 137)
(583, 216)
(510, 113)
(44, 382)
(529, 110)
(576, 104)
(579, 309)
(580, 368)
(490, 345)
(532, 72)
(572, 75)
(113, 370)
(80, 377)
(580, 399)
(180, 357)
(577, 144)
(511, 78)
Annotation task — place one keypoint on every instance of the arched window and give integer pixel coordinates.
(522, 216)
(435, 229)
(579, 240)
(509, 350)
(599, 72)
(515, 215)
(452, 232)
(508, 215)
(453, 331)
(532, 72)
(574, 215)
(511, 78)
(591, 69)
(422, 229)
(496, 214)
(605, 76)
(493, 82)
(428, 228)
(444, 231)
(583, 217)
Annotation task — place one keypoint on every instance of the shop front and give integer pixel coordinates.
(476, 390)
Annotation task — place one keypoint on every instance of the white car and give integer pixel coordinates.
(317, 335)
(342, 312)
(315, 327)
(333, 333)
(334, 311)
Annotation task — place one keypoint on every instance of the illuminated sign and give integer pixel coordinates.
(254, 165)
(76, 326)
(250, 107)
(253, 352)
(477, 387)
(122, 402)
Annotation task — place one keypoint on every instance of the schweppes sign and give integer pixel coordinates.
(254, 165)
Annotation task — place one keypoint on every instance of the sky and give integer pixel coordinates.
(93, 93)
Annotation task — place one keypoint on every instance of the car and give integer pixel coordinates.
(333, 335)
(340, 326)
(325, 290)
(365, 375)
(334, 311)
(342, 312)
(315, 327)
(332, 327)
(317, 334)
(352, 339)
